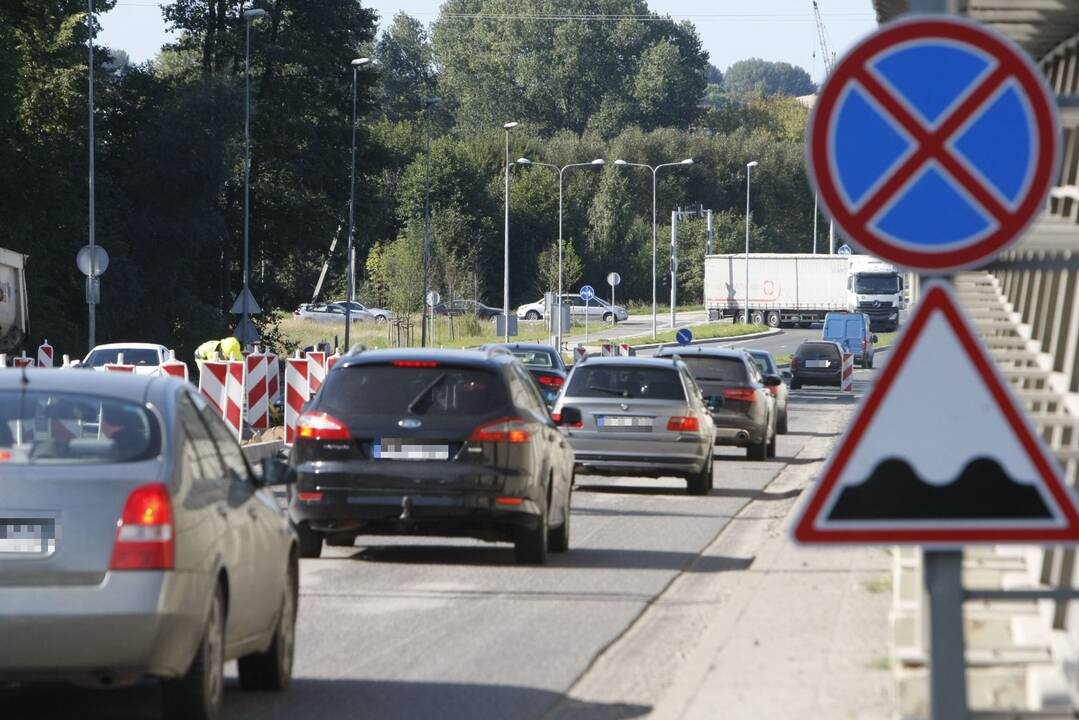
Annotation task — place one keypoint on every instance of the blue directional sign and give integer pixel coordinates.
(843, 250)
(684, 336)
(934, 143)
(587, 293)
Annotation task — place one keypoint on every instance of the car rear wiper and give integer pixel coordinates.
(425, 392)
(612, 391)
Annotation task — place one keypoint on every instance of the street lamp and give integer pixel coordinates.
(749, 168)
(91, 329)
(427, 105)
(655, 170)
(506, 249)
(561, 172)
(246, 301)
(351, 254)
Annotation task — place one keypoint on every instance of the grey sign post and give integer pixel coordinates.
(92, 261)
(613, 279)
(587, 293)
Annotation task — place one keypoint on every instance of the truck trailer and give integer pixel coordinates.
(14, 315)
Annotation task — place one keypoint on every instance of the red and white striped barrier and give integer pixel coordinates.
(626, 349)
(22, 361)
(45, 354)
(316, 371)
(580, 353)
(174, 367)
(332, 360)
(258, 406)
(233, 408)
(297, 392)
(847, 378)
(120, 368)
(212, 381)
(273, 378)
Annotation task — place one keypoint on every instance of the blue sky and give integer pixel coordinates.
(731, 30)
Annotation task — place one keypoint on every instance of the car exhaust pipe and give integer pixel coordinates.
(743, 436)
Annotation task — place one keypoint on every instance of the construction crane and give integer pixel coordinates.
(829, 62)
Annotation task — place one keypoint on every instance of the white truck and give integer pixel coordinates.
(799, 289)
(14, 315)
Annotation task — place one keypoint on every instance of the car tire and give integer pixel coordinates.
(773, 319)
(199, 694)
(272, 670)
(310, 541)
(796, 385)
(869, 363)
(771, 449)
(339, 540)
(532, 315)
(530, 544)
(558, 538)
(380, 319)
(757, 452)
(781, 424)
(608, 318)
(701, 483)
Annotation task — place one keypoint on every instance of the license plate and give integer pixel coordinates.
(623, 421)
(818, 363)
(27, 536)
(391, 449)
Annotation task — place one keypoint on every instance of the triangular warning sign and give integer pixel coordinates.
(940, 453)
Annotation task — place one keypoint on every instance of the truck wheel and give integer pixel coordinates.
(773, 319)
(758, 317)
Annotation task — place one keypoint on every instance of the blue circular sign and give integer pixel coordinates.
(684, 336)
(588, 292)
(843, 250)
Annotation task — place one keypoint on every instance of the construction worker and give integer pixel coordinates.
(229, 348)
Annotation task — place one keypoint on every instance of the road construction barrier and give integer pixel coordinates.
(297, 393)
(233, 408)
(847, 378)
(608, 350)
(258, 407)
(332, 360)
(580, 354)
(627, 350)
(316, 371)
(118, 366)
(45, 353)
(213, 378)
(173, 367)
(273, 378)
(22, 361)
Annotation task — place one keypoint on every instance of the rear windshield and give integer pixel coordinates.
(535, 358)
(39, 428)
(764, 363)
(843, 327)
(400, 391)
(817, 351)
(611, 381)
(716, 369)
(132, 356)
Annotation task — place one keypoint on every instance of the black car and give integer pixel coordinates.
(543, 362)
(431, 442)
(459, 308)
(817, 362)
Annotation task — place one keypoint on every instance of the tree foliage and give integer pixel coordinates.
(761, 78)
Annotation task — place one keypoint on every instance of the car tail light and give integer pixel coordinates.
(550, 380)
(683, 424)
(743, 394)
(4, 455)
(863, 344)
(145, 533)
(415, 363)
(320, 426)
(309, 496)
(557, 417)
(509, 501)
(511, 430)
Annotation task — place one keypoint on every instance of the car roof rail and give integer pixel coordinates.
(357, 348)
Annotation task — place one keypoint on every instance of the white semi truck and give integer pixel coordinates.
(798, 289)
(14, 314)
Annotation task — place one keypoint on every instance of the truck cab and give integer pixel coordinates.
(14, 316)
(875, 288)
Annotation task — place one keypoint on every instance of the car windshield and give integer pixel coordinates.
(535, 358)
(389, 390)
(818, 351)
(139, 357)
(876, 284)
(716, 369)
(52, 428)
(611, 381)
(764, 363)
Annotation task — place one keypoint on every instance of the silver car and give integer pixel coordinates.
(136, 541)
(638, 416)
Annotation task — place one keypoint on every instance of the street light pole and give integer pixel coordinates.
(749, 168)
(91, 327)
(655, 171)
(245, 305)
(350, 253)
(427, 105)
(506, 249)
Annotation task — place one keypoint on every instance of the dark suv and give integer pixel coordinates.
(425, 442)
(817, 362)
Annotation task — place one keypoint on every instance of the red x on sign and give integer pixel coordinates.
(934, 143)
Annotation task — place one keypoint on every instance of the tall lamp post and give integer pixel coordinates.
(427, 105)
(598, 162)
(506, 249)
(351, 253)
(655, 170)
(749, 169)
(91, 327)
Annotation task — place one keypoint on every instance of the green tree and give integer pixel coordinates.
(547, 267)
(406, 68)
(761, 78)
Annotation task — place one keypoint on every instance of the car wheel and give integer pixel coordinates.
(530, 544)
(781, 425)
(773, 319)
(771, 450)
(310, 541)
(380, 319)
(608, 317)
(532, 315)
(869, 363)
(198, 695)
(701, 483)
(272, 670)
(340, 540)
(558, 538)
(796, 385)
(758, 451)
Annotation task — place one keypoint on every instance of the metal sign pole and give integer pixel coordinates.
(947, 664)
(586, 321)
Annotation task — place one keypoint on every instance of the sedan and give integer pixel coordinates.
(595, 309)
(817, 362)
(379, 315)
(331, 314)
(146, 357)
(543, 363)
(458, 308)
(768, 368)
(136, 541)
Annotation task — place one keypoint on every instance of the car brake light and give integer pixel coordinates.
(743, 394)
(551, 380)
(509, 501)
(320, 426)
(309, 496)
(504, 430)
(415, 363)
(557, 417)
(683, 424)
(145, 533)
(4, 455)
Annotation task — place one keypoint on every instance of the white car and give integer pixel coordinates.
(146, 357)
(597, 309)
(330, 314)
(380, 315)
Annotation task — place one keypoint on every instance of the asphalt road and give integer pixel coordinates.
(432, 628)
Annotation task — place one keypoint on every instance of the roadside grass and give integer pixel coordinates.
(638, 307)
(700, 332)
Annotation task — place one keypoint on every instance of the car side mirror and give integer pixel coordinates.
(569, 417)
(772, 380)
(786, 375)
(875, 339)
(276, 471)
